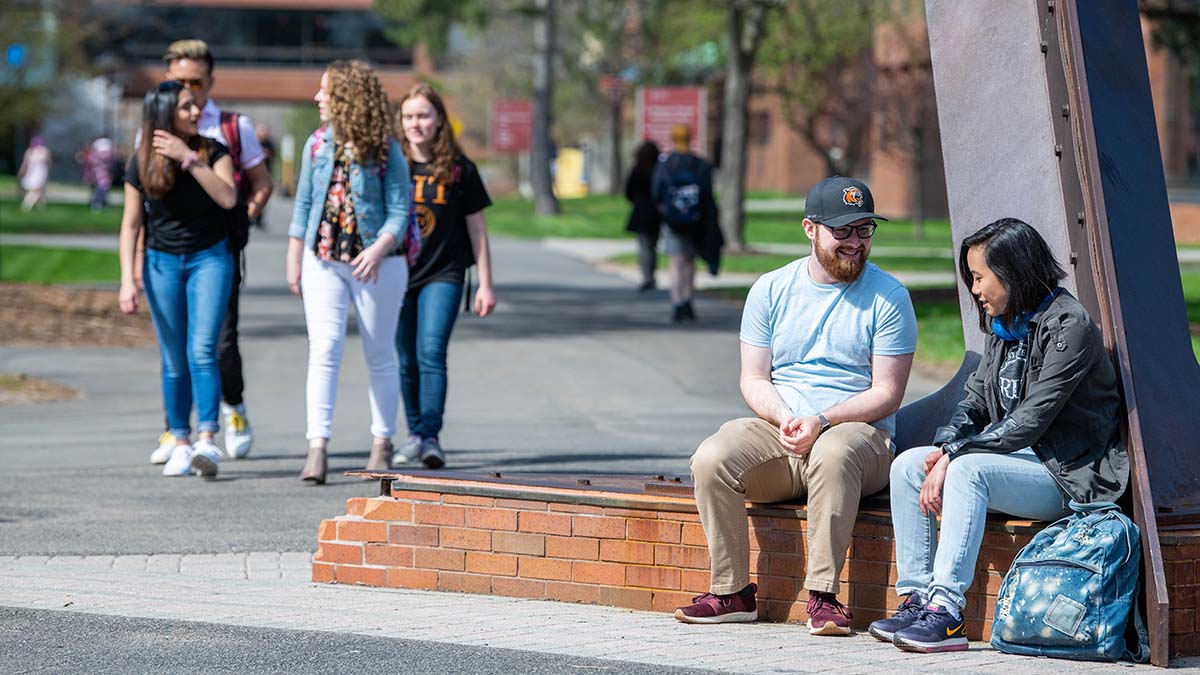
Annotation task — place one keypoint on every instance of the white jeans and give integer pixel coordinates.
(328, 288)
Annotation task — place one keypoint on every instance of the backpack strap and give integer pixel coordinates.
(229, 128)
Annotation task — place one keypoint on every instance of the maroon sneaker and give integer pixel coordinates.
(827, 616)
(709, 608)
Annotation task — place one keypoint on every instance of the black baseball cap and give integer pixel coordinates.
(838, 201)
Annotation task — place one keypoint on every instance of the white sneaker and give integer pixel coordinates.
(408, 452)
(166, 444)
(180, 463)
(238, 435)
(205, 457)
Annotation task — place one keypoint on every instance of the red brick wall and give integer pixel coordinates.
(1181, 566)
(643, 552)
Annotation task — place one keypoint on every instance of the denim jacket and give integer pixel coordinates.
(381, 204)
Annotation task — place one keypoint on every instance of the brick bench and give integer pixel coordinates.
(605, 543)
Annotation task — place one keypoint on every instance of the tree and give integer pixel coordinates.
(820, 63)
(429, 22)
(905, 114)
(745, 24)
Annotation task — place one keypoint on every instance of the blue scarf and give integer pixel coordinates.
(1020, 328)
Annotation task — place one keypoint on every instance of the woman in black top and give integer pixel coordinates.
(178, 186)
(448, 202)
(644, 219)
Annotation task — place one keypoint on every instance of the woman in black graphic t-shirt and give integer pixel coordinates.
(178, 187)
(448, 201)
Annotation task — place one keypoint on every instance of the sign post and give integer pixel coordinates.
(661, 108)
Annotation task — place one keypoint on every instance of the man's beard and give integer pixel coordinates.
(842, 270)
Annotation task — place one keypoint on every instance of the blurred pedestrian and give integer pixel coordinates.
(190, 63)
(348, 238)
(682, 190)
(263, 133)
(97, 160)
(34, 172)
(644, 220)
(448, 202)
(178, 186)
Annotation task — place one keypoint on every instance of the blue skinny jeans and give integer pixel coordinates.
(1017, 484)
(187, 295)
(426, 320)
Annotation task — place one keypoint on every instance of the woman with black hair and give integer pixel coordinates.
(644, 220)
(1038, 428)
(178, 186)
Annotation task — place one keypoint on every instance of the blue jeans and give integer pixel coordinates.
(426, 320)
(187, 294)
(1017, 484)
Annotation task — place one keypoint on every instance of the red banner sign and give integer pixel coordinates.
(512, 126)
(661, 108)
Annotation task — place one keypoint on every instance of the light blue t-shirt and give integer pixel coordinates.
(822, 336)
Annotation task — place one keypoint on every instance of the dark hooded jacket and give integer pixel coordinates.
(1069, 412)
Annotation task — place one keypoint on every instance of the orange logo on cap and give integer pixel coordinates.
(852, 196)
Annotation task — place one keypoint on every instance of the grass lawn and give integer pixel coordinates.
(57, 219)
(604, 217)
(41, 265)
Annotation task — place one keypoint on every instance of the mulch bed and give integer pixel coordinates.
(64, 316)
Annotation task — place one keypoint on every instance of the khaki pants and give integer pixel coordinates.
(744, 461)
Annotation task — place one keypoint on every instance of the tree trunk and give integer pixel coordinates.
(744, 25)
(545, 203)
(916, 184)
(616, 182)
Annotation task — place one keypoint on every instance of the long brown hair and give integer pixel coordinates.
(358, 106)
(444, 150)
(157, 172)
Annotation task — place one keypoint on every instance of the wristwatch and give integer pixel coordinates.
(824, 423)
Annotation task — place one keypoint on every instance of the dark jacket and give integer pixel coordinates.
(645, 216)
(707, 238)
(1069, 412)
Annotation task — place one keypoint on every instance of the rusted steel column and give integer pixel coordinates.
(1045, 113)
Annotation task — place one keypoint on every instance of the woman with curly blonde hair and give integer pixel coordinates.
(448, 200)
(348, 241)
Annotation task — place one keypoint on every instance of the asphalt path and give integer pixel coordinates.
(71, 642)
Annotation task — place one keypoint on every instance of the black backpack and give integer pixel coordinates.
(683, 195)
(237, 219)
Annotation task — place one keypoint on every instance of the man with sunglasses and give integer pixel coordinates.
(190, 62)
(826, 348)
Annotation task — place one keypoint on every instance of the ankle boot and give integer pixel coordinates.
(315, 466)
(381, 456)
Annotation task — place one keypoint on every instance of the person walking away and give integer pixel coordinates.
(349, 235)
(644, 219)
(97, 171)
(827, 346)
(682, 189)
(179, 185)
(33, 173)
(190, 62)
(448, 203)
(1038, 427)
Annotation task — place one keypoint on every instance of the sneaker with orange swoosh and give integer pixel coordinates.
(937, 630)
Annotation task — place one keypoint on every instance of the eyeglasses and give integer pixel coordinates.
(865, 231)
(191, 83)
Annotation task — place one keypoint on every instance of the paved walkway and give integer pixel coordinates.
(575, 373)
(260, 591)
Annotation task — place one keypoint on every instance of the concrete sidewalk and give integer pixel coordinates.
(260, 591)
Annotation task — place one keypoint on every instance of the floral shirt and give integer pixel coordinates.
(338, 239)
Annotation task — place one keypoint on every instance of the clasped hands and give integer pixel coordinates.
(797, 434)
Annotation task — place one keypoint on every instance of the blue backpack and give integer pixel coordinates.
(683, 196)
(1071, 591)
